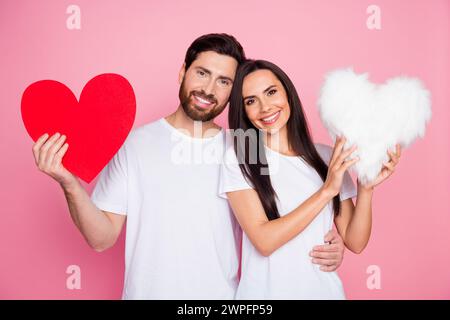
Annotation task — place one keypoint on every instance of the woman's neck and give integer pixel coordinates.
(279, 142)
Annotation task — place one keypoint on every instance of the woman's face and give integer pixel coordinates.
(265, 101)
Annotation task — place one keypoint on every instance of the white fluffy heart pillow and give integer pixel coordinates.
(374, 117)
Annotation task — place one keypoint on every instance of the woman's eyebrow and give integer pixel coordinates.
(270, 87)
(265, 90)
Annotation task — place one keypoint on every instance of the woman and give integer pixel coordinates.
(283, 193)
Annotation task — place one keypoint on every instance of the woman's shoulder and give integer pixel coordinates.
(324, 151)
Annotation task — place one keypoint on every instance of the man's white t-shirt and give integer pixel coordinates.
(288, 273)
(182, 241)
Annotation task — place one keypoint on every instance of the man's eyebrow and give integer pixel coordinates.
(204, 70)
(226, 78)
(265, 90)
(209, 72)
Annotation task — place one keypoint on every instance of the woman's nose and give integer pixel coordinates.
(264, 106)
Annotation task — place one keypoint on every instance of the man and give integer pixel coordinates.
(182, 241)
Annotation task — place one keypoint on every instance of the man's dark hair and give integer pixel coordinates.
(218, 42)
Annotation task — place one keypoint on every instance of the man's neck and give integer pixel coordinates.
(198, 129)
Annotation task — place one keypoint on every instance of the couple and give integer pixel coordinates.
(183, 241)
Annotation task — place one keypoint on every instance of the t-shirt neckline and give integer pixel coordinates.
(290, 158)
(280, 154)
(174, 130)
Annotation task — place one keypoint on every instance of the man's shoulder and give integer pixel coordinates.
(147, 127)
(150, 129)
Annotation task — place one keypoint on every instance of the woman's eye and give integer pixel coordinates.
(272, 92)
(249, 102)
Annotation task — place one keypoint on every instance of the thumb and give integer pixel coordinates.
(330, 236)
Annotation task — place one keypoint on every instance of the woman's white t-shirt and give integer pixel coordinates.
(288, 273)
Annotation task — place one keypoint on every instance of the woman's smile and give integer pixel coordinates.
(271, 119)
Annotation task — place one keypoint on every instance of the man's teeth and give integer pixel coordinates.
(268, 119)
(203, 100)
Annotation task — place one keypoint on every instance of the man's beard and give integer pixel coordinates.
(195, 113)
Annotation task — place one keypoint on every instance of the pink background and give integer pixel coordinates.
(145, 41)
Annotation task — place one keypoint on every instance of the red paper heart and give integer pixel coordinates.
(95, 127)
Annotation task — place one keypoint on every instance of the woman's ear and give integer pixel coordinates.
(181, 73)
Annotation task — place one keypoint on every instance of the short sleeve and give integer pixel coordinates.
(348, 188)
(231, 177)
(110, 192)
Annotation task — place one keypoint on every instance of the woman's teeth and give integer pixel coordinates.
(271, 119)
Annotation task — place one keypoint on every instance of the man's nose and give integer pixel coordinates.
(209, 87)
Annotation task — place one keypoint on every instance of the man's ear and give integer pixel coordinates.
(182, 73)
